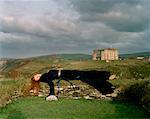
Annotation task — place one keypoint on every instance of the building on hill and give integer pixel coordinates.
(106, 54)
(140, 58)
(97, 54)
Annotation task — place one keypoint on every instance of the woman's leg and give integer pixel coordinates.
(51, 93)
(51, 86)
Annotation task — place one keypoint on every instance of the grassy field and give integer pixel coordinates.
(132, 75)
(38, 108)
(124, 69)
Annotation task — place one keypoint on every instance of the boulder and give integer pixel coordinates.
(88, 97)
(112, 77)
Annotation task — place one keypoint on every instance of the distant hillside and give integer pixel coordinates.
(67, 56)
(75, 56)
(124, 69)
(34, 64)
(134, 55)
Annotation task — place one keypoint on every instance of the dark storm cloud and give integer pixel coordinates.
(98, 6)
(121, 15)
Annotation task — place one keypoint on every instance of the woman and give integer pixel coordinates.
(46, 78)
(49, 77)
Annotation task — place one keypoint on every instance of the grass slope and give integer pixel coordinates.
(39, 64)
(75, 56)
(65, 57)
(126, 69)
(38, 108)
(134, 55)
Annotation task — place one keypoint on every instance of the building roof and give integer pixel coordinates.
(105, 49)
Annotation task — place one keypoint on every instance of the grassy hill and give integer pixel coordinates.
(74, 57)
(62, 60)
(65, 57)
(134, 55)
(126, 69)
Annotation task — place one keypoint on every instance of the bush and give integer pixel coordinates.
(138, 93)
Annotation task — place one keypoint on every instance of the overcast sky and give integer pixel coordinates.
(38, 27)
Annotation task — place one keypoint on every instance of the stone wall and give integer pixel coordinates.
(78, 91)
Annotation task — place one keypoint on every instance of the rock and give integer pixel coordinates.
(60, 89)
(107, 61)
(88, 97)
(71, 93)
(108, 98)
(103, 96)
(9, 101)
(112, 77)
(40, 94)
(108, 95)
(69, 87)
(76, 98)
(114, 95)
(31, 91)
(76, 94)
(118, 90)
(78, 91)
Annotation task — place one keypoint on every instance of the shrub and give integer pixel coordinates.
(138, 93)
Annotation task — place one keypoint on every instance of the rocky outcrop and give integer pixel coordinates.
(2, 63)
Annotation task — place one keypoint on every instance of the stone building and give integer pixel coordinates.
(106, 54)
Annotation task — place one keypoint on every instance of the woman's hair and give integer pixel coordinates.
(35, 86)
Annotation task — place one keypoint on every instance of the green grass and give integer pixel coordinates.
(38, 108)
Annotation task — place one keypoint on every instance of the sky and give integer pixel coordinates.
(41, 27)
